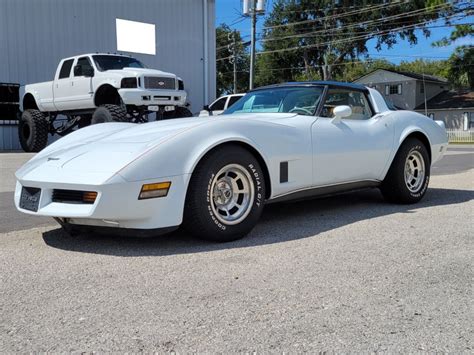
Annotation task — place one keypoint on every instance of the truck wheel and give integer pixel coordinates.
(109, 113)
(33, 131)
(226, 195)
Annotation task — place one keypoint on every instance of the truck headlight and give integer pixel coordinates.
(128, 83)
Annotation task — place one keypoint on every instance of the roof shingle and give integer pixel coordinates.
(449, 100)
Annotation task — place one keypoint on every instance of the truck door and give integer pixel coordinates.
(62, 85)
(82, 95)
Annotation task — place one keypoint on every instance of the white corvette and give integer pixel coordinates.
(214, 175)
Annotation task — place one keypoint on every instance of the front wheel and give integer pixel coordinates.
(226, 195)
(33, 130)
(408, 177)
(109, 113)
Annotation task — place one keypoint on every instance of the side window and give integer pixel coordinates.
(66, 69)
(233, 100)
(357, 101)
(218, 105)
(82, 63)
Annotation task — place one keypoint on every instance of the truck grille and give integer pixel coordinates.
(157, 82)
(74, 196)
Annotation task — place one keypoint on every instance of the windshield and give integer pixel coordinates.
(300, 100)
(109, 62)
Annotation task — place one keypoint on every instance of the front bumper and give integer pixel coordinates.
(116, 206)
(148, 97)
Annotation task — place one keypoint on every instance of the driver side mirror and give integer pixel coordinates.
(206, 108)
(340, 112)
(80, 70)
(88, 72)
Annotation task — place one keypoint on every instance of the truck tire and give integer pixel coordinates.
(109, 113)
(33, 131)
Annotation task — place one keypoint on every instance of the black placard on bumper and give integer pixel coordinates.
(30, 198)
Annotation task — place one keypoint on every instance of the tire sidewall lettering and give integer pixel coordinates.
(209, 208)
(424, 187)
(258, 199)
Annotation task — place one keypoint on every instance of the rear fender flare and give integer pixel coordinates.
(401, 138)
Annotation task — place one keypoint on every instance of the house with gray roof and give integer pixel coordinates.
(426, 94)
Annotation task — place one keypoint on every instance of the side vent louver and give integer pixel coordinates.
(283, 171)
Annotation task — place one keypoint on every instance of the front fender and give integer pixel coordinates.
(180, 155)
(35, 97)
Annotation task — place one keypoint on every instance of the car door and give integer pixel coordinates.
(355, 148)
(82, 94)
(62, 86)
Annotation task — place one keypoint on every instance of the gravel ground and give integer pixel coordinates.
(346, 274)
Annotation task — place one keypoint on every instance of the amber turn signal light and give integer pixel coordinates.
(89, 196)
(159, 189)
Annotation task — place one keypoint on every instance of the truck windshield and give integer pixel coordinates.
(300, 100)
(110, 62)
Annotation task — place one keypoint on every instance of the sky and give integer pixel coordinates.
(229, 12)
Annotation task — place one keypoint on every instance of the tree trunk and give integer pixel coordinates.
(307, 66)
(327, 72)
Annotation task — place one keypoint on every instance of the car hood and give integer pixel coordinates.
(96, 153)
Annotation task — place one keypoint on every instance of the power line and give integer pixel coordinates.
(371, 35)
(340, 64)
(310, 34)
(355, 25)
(316, 34)
(349, 14)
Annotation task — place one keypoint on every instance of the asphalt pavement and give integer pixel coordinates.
(350, 273)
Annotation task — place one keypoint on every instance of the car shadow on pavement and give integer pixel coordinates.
(279, 223)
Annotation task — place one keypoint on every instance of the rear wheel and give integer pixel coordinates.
(33, 131)
(109, 113)
(226, 195)
(408, 177)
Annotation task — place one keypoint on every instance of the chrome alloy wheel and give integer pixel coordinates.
(414, 171)
(232, 194)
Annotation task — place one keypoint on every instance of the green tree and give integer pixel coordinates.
(224, 64)
(317, 38)
(355, 70)
(437, 68)
(461, 63)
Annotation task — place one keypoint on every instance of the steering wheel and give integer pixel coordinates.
(301, 109)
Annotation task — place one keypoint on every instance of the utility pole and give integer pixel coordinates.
(253, 8)
(232, 36)
(235, 63)
(252, 40)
